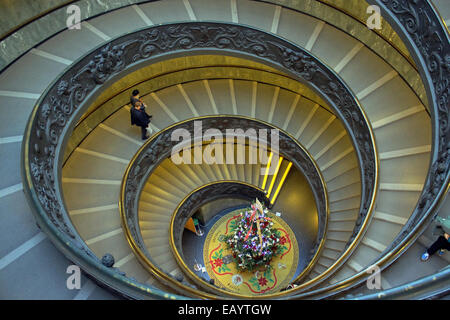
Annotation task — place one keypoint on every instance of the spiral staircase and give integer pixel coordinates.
(378, 67)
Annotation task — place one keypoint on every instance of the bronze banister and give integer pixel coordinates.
(33, 24)
(64, 102)
(432, 286)
(427, 38)
(159, 147)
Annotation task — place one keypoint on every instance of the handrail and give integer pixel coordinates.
(68, 2)
(189, 205)
(142, 165)
(434, 78)
(76, 251)
(67, 98)
(426, 287)
(221, 188)
(12, 30)
(6, 35)
(81, 131)
(339, 8)
(428, 40)
(415, 23)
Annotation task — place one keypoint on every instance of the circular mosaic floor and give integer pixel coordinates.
(221, 267)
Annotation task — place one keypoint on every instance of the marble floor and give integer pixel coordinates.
(193, 244)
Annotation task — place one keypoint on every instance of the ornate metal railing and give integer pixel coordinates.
(67, 98)
(432, 286)
(416, 22)
(104, 108)
(13, 49)
(195, 200)
(428, 41)
(427, 38)
(160, 147)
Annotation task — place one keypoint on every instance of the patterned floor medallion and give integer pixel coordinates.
(221, 267)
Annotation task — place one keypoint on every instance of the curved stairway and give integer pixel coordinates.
(91, 194)
(391, 106)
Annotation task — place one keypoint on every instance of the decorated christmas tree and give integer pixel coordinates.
(254, 242)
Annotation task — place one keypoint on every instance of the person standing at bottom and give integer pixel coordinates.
(439, 245)
(140, 118)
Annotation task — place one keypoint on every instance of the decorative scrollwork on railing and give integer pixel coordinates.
(428, 40)
(161, 146)
(64, 102)
(430, 43)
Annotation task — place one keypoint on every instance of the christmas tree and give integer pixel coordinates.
(253, 242)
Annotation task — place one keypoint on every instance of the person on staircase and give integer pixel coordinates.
(443, 242)
(140, 118)
(135, 97)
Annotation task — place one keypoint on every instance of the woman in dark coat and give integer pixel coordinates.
(140, 118)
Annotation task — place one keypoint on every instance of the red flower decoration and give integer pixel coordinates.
(262, 281)
(283, 240)
(217, 263)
